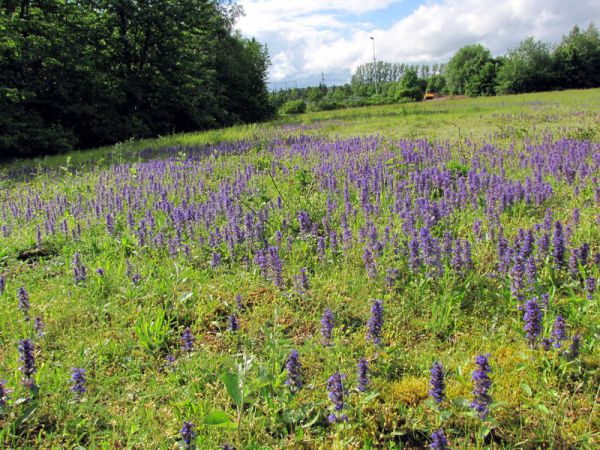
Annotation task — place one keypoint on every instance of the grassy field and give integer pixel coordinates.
(182, 274)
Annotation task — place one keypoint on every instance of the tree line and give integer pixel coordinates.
(572, 63)
(94, 72)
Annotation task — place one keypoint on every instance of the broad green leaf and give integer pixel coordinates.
(217, 418)
(232, 384)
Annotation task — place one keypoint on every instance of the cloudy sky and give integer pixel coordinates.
(307, 37)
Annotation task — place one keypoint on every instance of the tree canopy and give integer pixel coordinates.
(94, 72)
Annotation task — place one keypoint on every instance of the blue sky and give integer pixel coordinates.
(307, 37)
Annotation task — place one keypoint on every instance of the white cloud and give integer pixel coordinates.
(308, 36)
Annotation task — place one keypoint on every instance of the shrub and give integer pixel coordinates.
(294, 107)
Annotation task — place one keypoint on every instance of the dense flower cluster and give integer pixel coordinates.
(363, 374)
(327, 325)
(436, 382)
(24, 304)
(27, 359)
(337, 393)
(481, 386)
(375, 323)
(188, 435)
(294, 371)
(78, 381)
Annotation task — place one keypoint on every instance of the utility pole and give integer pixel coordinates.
(374, 66)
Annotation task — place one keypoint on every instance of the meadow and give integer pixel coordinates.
(382, 277)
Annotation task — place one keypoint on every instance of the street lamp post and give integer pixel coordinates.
(374, 66)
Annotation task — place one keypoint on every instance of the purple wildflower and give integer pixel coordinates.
(294, 371)
(27, 358)
(438, 440)
(24, 304)
(547, 344)
(275, 266)
(170, 362)
(363, 374)
(337, 391)
(188, 435)
(558, 331)
(558, 250)
(238, 301)
(4, 391)
(233, 323)
(216, 260)
(327, 325)
(574, 348)
(481, 386)
(302, 282)
(78, 381)
(590, 287)
(187, 340)
(437, 382)
(38, 326)
(79, 270)
(100, 271)
(369, 263)
(533, 321)
(2, 283)
(375, 323)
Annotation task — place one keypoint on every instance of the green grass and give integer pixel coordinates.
(121, 330)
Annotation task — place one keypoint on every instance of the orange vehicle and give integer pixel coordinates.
(429, 95)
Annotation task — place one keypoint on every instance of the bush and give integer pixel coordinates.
(415, 94)
(294, 107)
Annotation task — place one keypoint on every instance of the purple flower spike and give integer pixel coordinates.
(27, 359)
(187, 340)
(363, 374)
(574, 348)
(78, 381)
(438, 440)
(590, 287)
(533, 321)
(24, 304)
(481, 386)
(294, 371)
(4, 391)
(436, 382)
(375, 323)
(79, 270)
(2, 284)
(38, 326)
(558, 331)
(337, 392)
(188, 435)
(327, 325)
(233, 323)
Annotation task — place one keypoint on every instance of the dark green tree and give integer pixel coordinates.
(577, 59)
(527, 68)
(471, 71)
